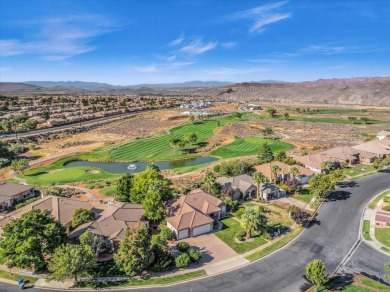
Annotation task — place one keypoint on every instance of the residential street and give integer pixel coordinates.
(329, 239)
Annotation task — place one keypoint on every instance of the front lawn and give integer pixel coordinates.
(15, 277)
(383, 235)
(358, 170)
(230, 229)
(303, 195)
(249, 146)
(377, 199)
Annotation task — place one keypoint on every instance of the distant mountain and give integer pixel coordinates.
(190, 84)
(72, 84)
(18, 86)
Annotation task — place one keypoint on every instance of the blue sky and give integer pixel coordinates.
(132, 42)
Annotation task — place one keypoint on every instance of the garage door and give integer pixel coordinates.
(201, 229)
(183, 233)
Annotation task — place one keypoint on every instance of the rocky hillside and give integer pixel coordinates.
(354, 91)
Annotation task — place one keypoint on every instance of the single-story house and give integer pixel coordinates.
(112, 222)
(303, 177)
(344, 154)
(270, 192)
(314, 161)
(11, 194)
(382, 135)
(381, 148)
(194, 214)
(241, 184)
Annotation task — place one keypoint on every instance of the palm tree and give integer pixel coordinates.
(209, 179)
(275, 169)
(259, 178)
(294, 171)
(327, 166)
(253, 221)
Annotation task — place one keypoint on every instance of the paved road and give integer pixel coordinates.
(368, 261)
(330, 240)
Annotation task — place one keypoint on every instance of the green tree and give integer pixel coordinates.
(294, 171)
(71, 261)
(182, 260)
(134, 252)
(327, 166)
(321, 185)
(259, 178)
(271, 111)
(209, 179)
(280, 156)
(253, 221)
(364, 119)
(275, 169)
(174, 142)
(286, 116)
(315, 272)
(377, 162)
(123, 188)
(385, 162)
(238, 115)
(191, 137)
(266, 132)
(45, 115)
(19, 165)
(143, 180)
(265, 154)
(29, 240)
(153, 204)
(352, 119)
(81, 216)
(96, 242)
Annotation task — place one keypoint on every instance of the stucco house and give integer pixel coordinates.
(303, 177)
(241, 184)
(270, 192)
(194, 214)
(11, 194)
(314, 161)
(380, 148)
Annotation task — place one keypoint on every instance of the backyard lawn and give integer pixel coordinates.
(249, 146)
(157, 147)
(383, 235)
(231, 227)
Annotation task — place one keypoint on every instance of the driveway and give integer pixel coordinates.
(214, 250)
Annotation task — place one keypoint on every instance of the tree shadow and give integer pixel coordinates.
(305, 286)
(348, 184)
(337, 196)
(312, 223)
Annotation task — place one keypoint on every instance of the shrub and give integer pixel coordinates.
(262, 209)
(386, 208)
(386, 199)
(242, 233)
(239, 213)
(182, 260)
(194, 254)
(183, 246)
(163, 261)
(166, 233)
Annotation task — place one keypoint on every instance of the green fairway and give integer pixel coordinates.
(58, 174)
(249, 146)
(158, 147)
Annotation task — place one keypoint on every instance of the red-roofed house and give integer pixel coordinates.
(194, 214)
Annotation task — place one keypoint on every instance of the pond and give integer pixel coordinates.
(122, 167)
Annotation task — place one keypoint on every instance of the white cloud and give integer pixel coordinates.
(261, 16)
(59, 38)
(146, 69)
(177, 41)
(197, 47)
(229, 45)
(324, 49)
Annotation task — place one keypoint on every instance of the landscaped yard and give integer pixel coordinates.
(358, 169)
(383, 235)
(377, 199)
(303, 195)
(231, 227)
(249, 146)
(366, 230)
(15, 277)
(157, 147)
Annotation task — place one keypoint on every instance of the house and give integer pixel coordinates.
(112, 222)
(344, 154)
(303, 177)
(381, 148)
(314, 161)
(62, 209)
(270, 192)
(382, 135)
(194, 214)
(11, 194)
(241, 184)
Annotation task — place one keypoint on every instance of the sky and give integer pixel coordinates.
(164, 41)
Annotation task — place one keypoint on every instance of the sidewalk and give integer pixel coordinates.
(370, 214)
